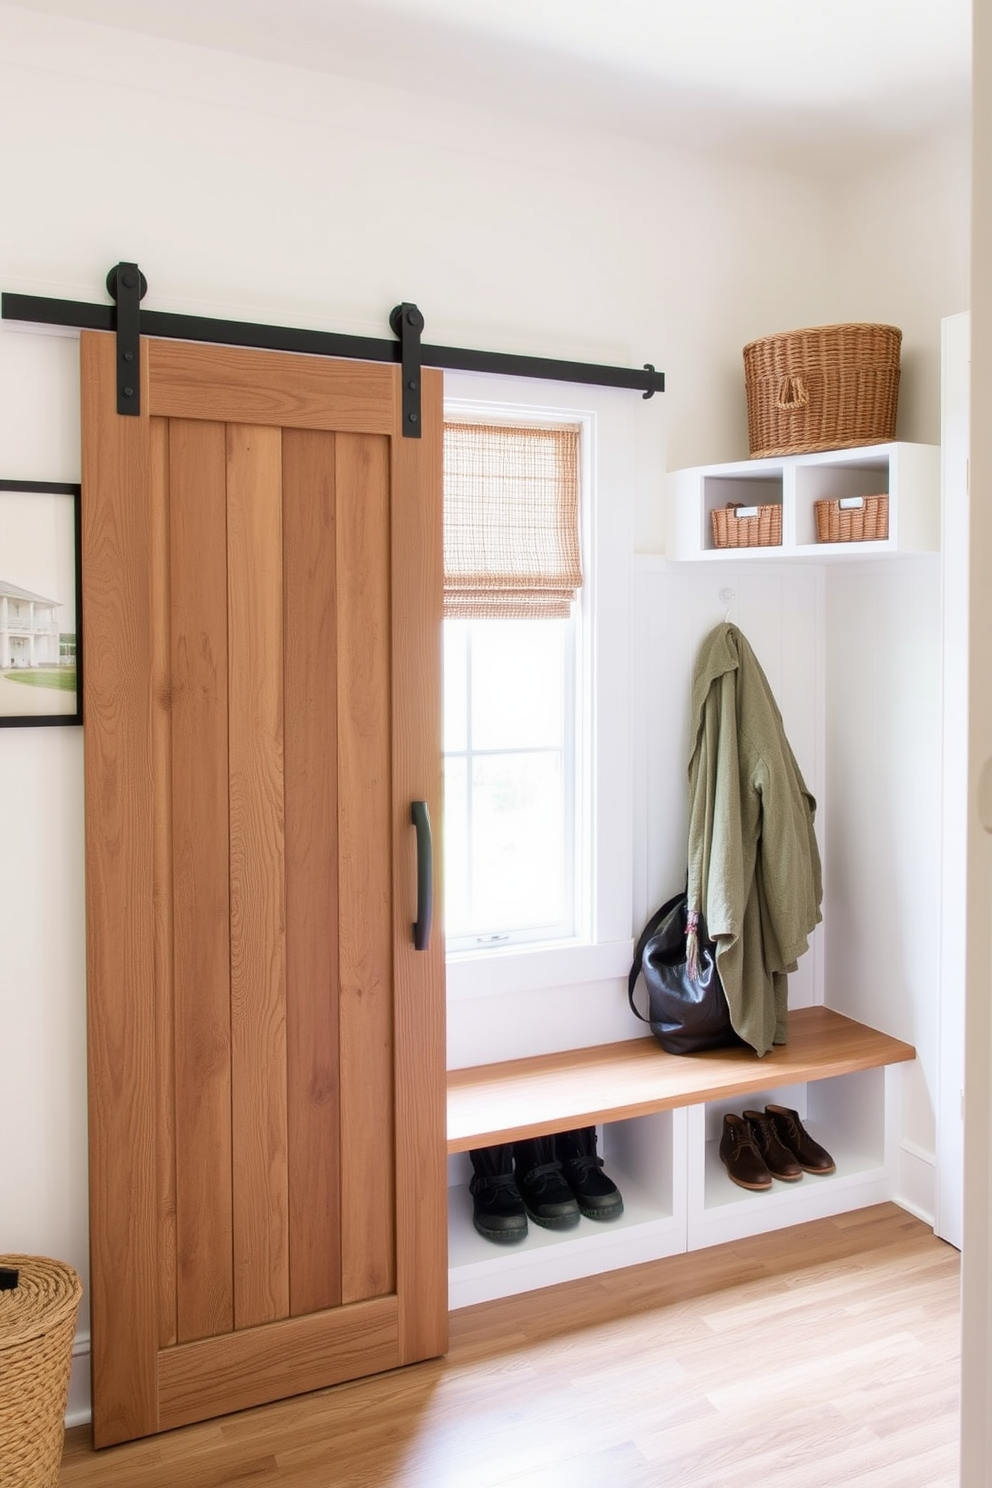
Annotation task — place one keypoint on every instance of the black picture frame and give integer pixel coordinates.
(41, 628)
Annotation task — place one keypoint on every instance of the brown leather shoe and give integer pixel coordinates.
(812, 1158)
(779, 1161)
(744, 1164)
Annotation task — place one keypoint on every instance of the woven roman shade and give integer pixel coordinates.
(511, 521)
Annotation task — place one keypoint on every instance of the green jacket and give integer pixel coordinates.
(754, 867)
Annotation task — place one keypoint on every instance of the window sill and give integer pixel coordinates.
(473, 974)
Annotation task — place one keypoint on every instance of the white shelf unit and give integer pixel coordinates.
(659, 1119)
(909, 474)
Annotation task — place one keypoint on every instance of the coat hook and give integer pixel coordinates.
(728, 596)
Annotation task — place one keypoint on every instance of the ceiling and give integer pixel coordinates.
(791, 82)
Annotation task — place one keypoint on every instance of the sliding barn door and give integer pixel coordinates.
(262, 608)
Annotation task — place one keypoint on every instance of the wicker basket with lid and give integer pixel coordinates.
(822, 388)
(37, 1328)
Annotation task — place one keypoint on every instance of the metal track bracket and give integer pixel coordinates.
(407, 323)
(128, 286)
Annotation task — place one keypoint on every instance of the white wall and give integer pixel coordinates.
(903, 254)
(976, 1352)
(882, 827)
(258, 190)
(253, 190)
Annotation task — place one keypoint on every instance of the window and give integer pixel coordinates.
(536, 728)
(512, 576)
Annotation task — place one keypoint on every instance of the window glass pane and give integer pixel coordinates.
(457, 902)
(518, 877)
(518, 677)
(455, 685)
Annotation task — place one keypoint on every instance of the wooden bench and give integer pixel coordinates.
(493, 1103)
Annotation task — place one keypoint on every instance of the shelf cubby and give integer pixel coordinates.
(847, 1115)
(644, 1157)
(909, 474)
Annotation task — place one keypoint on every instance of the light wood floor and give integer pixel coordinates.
(824, 1356)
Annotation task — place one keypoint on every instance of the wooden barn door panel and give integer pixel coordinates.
(311, 727)
(261, 568)
(196, 820)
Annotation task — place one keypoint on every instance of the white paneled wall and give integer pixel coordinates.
(884, 836)
(780, 611)
(852, 653)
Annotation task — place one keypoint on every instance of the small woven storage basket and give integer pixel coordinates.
(37, 1327)
(823, 388)
(865, 523)
(763, 530)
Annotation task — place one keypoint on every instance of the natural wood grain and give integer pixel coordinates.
(200, 829)
(199, 593)
(285, 390)
(219, 1375)
(555, 1092)
(257, 864)
(819, 1356)
(313, 1042)
(421, 1171)
(160, 725)
(120, 859)
(365, 868)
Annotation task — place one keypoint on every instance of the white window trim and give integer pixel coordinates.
(601, 949)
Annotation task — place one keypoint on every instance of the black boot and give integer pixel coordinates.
(497, 1208)
(598, 1196)
(548, 1199)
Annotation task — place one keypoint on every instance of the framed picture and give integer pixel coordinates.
(40, 623)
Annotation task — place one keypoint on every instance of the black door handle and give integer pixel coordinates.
(420, 817)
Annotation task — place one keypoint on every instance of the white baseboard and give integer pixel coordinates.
(78, 1410)
(916, 1181)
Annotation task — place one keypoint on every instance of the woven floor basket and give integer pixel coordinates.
(37, 1327)
(823, 388)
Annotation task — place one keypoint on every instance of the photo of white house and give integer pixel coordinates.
(29, 628)
(38, 612)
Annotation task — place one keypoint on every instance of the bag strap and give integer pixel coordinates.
(646, 934)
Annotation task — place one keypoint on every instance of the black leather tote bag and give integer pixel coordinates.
(687, 1014)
